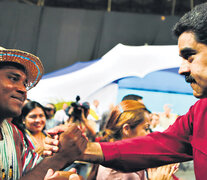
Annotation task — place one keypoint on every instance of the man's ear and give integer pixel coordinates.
(126, 130)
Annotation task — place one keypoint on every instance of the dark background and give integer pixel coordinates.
(62, 32)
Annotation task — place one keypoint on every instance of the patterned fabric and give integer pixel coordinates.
(16, 157)
(32, 64)
(37, 146)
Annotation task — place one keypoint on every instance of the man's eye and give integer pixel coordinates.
(187, 56)
(13, 78)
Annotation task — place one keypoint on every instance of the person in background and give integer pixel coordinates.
(155, 123)
(61, 115)
(133, 97)
(32, 121)
(105, 117)
(128, 119)
(136, 98)
(79, 116)
(167, 117)
(50, 110)
(94, 113)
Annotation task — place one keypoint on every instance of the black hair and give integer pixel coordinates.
(15, 64)
(132, 97)
(194, 21)
(29, 107)
(18, 121)
(54, 108)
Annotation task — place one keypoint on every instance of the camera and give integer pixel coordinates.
(77, 109)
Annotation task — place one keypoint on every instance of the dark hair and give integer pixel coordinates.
(29, 107)
(132, 97)
(54, 108)
(17, 65)
(18, 121)
(194, 21)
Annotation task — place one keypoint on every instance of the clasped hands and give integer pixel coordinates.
(66, 140)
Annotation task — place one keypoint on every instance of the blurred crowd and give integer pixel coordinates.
(135, 120)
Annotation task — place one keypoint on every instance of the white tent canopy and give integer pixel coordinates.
(122, 61)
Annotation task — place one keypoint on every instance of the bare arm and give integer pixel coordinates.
(93, 153)
(55, 162)
(71, 146)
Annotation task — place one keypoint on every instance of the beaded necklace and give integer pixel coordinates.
(8, 160)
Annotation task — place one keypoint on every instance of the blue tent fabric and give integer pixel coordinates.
(69, 69)
(167, 80)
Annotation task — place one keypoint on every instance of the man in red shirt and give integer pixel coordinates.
(186, 139)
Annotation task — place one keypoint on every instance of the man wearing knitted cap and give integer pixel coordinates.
(20, 71)
(186, 139)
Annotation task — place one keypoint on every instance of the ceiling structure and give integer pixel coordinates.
(162, 7)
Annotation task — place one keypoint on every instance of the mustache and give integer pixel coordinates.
(189, 79)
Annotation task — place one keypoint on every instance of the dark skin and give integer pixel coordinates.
(12, 91)
(57, 161)
(12, 96)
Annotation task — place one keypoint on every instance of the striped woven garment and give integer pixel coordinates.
(16, 158)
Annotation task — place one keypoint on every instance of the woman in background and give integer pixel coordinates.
(127, 120)
(32, 122)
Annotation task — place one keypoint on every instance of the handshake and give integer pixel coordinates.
(67, 141)
(65, 144)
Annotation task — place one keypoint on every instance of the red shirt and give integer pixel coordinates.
(185, 140)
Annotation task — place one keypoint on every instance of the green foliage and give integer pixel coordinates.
(59, 105)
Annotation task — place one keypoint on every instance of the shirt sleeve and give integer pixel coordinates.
(156, 149)
(29, 157)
